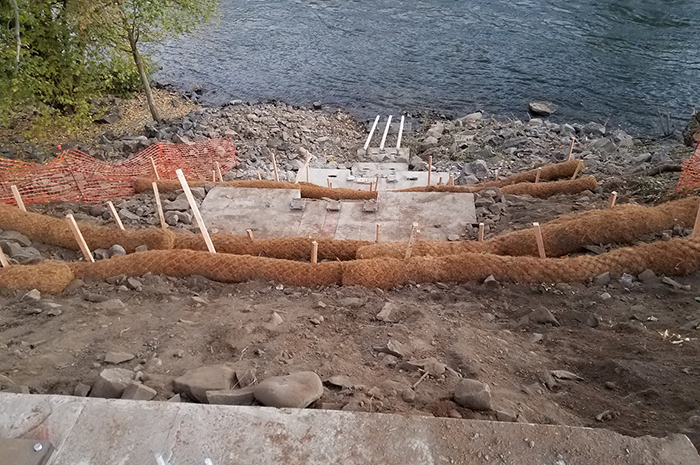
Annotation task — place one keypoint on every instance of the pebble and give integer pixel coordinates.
(111, 383)
(543, 316)
(195, 383)
(473, 394)
(116, 250)
(115, 358)
(297, 390)
(33, 295)
(111, 304)
(385, 313)
(82, 390)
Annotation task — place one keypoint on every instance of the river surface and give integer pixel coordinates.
(621, 62)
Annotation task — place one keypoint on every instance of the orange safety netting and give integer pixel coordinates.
(77, 176)
(690, 173)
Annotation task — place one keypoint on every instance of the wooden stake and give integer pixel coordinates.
(213, 175)
(249, 232)
(537, 176)
(115, 215)
(481, 232)
(411, 240)
(259, 177)
(613, 199)
(155, 170)
(307, 172)
(571, 149)
(440, 181)
(696, 227)
(328, 183)
(314, 252)
(274, 167)
(451, 182)
(3, 259)
(578, 170)
(195, 210)
(430, 167)
(376, 183)
(306, 164)
(18, 198)
(218, 171)
(540, 241)
(159, 205)
(498, 175)
(79, 238)
(378, 237)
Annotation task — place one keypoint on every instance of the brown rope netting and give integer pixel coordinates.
(676, 257)
(55, 231)
(289, 248)
(621, 224)
(540, 189)
(218, 267)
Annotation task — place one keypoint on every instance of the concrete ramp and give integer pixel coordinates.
(90, 431)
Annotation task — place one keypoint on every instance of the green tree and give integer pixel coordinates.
(127, 23)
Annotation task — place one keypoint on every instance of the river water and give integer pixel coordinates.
(620, 62)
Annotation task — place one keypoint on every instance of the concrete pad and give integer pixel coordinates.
(110, 431)
(439, 214)
(392, 176)
(266, 211)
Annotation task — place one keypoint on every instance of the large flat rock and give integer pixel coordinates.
(109, 431)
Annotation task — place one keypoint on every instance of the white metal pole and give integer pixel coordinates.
(371, 133)
(398, 142)
(386, 131)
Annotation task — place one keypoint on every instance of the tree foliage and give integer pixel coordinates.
(75, 50)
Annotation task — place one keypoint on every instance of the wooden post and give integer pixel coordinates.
(259, 176)
(411, 240)
(481, 232)
(578, 170)
(398, 140)
(314, 252)
(440, 181)
(328, 183)
(537, 176)
(79, 238)
(307, 172)
(386, 132)
(613, 199)
(249, 232)
(213, 175)
(218, 171)
(115, 215)
(540, 241)
(376, 183)
(378, 237)
(306, 164)
(18, 198)
(195, 210)
(498, 174)
(155, 170)
(571, 149)
(430, 167)
(371, 133)
(451, 182)
(274, 167)
(696, 227)
(3, 259)
(159, 206)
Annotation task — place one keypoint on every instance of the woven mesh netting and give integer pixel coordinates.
(677, 257)
(219, 267)
(621, 224)
(49, 277)
(689, 180)
(289, 248)
(55, 231)
(540, 189)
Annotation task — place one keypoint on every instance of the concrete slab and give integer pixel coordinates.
(266, 211)
(359, 178)
(24, 451)
(439, 214)
(110, 431)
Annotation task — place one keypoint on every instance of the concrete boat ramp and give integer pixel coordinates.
(61, 430)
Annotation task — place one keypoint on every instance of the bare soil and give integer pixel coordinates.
(638, 377)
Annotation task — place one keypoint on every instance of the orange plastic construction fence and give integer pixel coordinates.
(690, 173)
(78, 177)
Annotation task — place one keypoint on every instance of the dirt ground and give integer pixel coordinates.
(634, 374)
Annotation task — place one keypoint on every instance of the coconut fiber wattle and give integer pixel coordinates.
(55, 231)
(622, 224)
(290, 248)
(677, 257)
(218, 267)
(50, 277)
